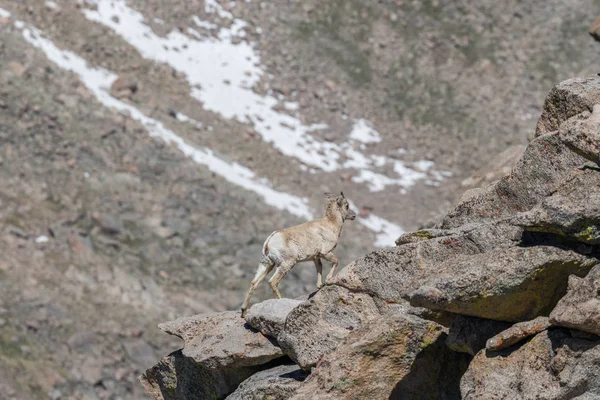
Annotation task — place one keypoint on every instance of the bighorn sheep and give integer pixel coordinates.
(312, 240)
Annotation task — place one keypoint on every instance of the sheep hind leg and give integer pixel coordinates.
(264, 267)
(280, 272)
(319, 267)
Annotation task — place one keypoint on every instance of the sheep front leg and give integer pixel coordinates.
(334, 263)
(280, 272)
(319, 267)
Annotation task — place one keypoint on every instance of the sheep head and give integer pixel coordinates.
(341, 205)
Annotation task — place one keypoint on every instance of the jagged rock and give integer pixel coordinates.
(512, 284)
(269, 316)
(396, 357)
(582, 134)
(277, 383)
(318, 326)
(551, 366)
(177, 377)
(573, 210)
(221, 340)
(469, 334)
(580, 307)
(516, 333)
(567, 99)
(546, 162)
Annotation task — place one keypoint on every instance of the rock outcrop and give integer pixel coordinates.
(222, 340)
(413, 321)
(553, 366)
(580, 308)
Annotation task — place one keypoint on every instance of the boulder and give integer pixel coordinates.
(582, 134)
(551, 366)
(222, 340)
(512, 284)
(269, 316)
(469, 334)
(317, 326)
(546, 162)
(177, 377)
(516, 333)
(572, 211)
(580, 307)
(277, 383)
(395, 356)
(567, 99)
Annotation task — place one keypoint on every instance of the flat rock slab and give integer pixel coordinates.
(177, 377)
(316, 327)
(580, 307)
(469, 334)
(222, 340)
(516, 333)
(269, 316)
(512, 284)
(567, 99)
(277, 383)
(551, 366)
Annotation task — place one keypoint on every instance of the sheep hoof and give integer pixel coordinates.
(243, 312)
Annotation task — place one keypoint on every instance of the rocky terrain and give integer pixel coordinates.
(498, 300)
(147, 148)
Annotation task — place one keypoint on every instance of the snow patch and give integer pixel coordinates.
(98, 81)
(41, 239)
(51, 4)
(4, 13)
(221, 76)
(363, 131)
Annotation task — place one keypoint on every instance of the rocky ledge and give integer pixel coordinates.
(507, 282)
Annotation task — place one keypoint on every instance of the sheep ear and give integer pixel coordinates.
(329, 195)
(342, 193)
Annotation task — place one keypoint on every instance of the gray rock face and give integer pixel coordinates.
(516, 333)
(269, 316)
(568, 98)
(573, 210)
(544, 165)
(580, 307)
(318, 326)
(395, 356)
(469, 334)
(391, 274)
(221, 340)
(551, 366)
(581, 134)
(277, 383)
(513, 284)
(177, 377)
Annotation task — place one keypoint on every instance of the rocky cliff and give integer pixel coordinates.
(498, 300)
